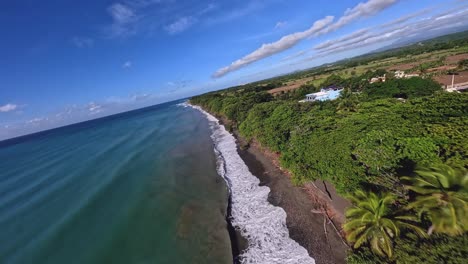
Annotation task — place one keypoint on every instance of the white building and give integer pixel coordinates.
(401, 75)
(379, 79)
(325, 94)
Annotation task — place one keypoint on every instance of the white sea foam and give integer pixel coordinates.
(261, 223)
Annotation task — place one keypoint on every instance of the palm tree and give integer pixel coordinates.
(348, 102)
(441, 194)
(372, 221)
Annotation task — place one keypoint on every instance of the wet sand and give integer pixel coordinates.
(314, 211)
(305, 224)
(304, 206)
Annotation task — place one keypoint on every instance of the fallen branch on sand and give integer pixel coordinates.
(324, 212)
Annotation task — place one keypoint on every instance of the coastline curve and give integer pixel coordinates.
(261, 223)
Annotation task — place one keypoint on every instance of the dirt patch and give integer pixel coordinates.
(441, 68)
(454, 59)
(447, 79)
(292, 85)
(286, 88)
(408, 66)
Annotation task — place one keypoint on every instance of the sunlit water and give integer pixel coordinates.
(139, 187)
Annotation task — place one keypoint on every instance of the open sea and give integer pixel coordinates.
(146, 186)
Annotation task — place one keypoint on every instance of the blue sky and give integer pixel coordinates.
(68, 61)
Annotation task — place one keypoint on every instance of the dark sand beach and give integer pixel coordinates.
(314, 211)
(305, 223)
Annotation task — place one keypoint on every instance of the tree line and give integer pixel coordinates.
(396, 149)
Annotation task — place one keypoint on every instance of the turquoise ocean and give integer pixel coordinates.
(137, 187)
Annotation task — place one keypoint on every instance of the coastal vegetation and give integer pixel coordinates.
(398, 149)
(373, 221)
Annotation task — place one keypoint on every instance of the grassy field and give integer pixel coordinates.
(436, 63)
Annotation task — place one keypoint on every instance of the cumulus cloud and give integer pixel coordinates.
(267, 50)
(180, 25)
(320, 27)
(8, 107)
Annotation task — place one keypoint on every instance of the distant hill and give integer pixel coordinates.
(408, 47)
(437, 37)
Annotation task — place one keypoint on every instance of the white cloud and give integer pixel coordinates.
(269, 49)
(320, 27)
(234, 14)
(36, 120)
(121, 13)
(140, 97)
(428, 27)
(280, 24)
(94, 108)
(366, 9)
(83, 42)
(353, 35)
(127, 64)
(124, 19)
(180, 25)
(128, 17)
(8, 108)
(185, 22)
(406, 18)
(295, 55)
(362, 35)
(208, 9)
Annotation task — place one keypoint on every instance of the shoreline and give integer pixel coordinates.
(314, 211)
(238, 242)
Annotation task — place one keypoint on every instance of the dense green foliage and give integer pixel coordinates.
(402, 88)
(367, 143)
(438, 194)
(373, 221)
(435, 249)
(368, 139)
(441, 194)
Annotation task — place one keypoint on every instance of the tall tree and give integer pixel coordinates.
(373, 221)
(441, 193)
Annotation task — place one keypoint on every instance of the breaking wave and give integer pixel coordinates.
(261, 223)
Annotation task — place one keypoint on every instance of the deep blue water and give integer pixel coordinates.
(139, 187)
